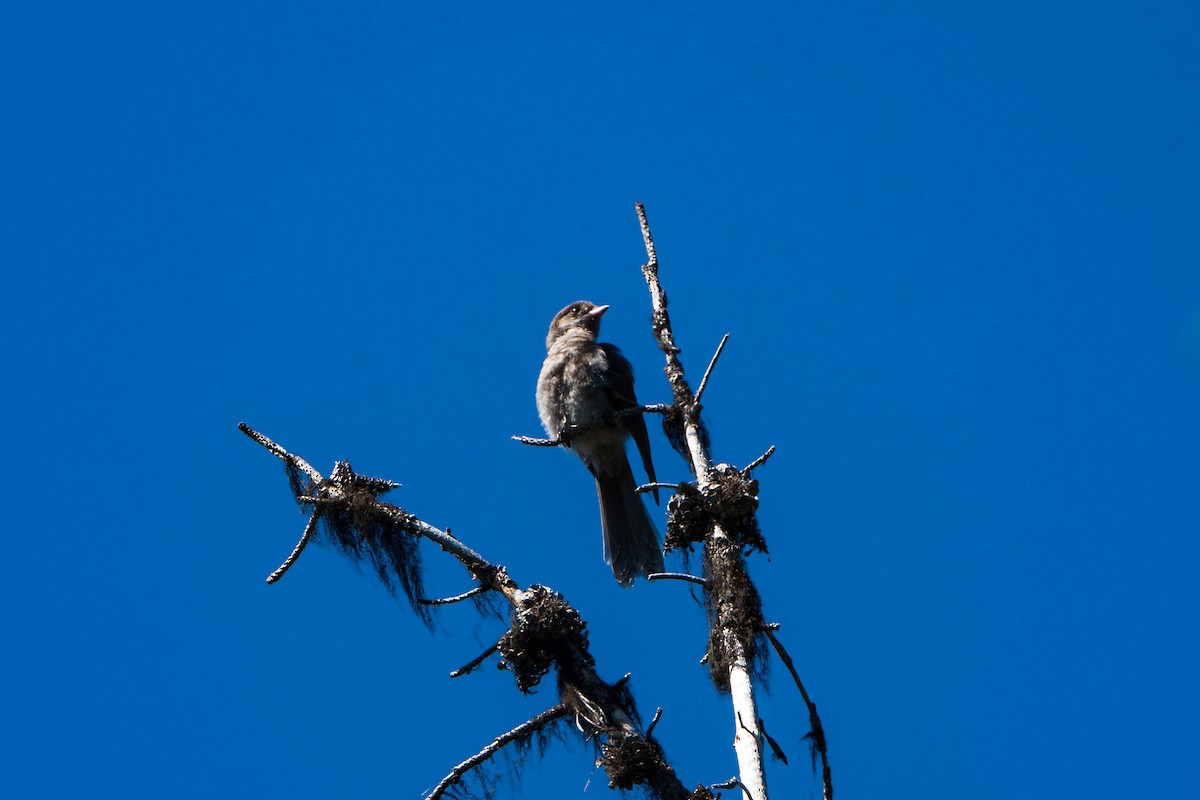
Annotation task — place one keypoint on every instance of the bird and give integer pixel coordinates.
(582, 384)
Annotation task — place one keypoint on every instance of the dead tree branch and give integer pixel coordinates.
(816, 734)
(758, 462)
(309, 530)
(474, 662)
(720, 511)
(654, 722)
(676, 576)
(537, 441)
(650, 487)
(546, 633)
(458, 598)
(728, 637)
(711, 364)
(717, 510)
(521, 732)
(565, 436)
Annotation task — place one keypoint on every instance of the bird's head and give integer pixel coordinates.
(580, 315)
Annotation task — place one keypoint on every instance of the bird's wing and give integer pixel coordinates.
(618, 385)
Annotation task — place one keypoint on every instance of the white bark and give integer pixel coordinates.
(747, 743)
(748, 739)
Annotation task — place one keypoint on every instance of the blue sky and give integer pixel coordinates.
(956, 249)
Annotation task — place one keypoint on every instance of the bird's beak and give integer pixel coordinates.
(597, 312)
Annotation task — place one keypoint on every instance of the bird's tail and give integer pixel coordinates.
(630, 541)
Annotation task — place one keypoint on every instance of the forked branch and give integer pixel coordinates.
(731, 640)
(546, 633)
(719, 510)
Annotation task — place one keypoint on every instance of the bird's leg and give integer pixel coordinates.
(566, 432)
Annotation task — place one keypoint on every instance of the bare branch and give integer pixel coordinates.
(541, 616)
(536, 442)
(652, 263)
(297, 550)
(758, 462)
(774, 745)
(346, 493)
(729, 784)
(684, 400)
(652, 408)
(343, 490)
(711, 364)
(818, 731)
(769, 630)
(524, 729)
(653, 722)
(476, 563)
(650, 487)
(458, 598)
(474, 662)
(676, 576)
(279, 452)
(314, 500)
(565, 436)
(732, 668)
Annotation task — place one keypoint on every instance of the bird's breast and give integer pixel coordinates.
(571, 388)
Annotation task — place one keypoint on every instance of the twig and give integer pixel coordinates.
(676, 576)
(814, 721)
(684, 400)
(564, 438)
(524, 729)
(774, 745)
(536, 442)
(729, 784)
(651, 255)
(758, 462)
(279, 452)
(652, 408)
(653, 722)
(309, 529)
(474, 662)
(315, 500)
(711, 364)
(650, 487)
(458, 598)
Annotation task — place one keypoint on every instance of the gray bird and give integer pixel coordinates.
(581, 385)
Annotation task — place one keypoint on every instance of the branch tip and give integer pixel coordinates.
(711, 364)
(474, 662)
(676, 576)
(653, 722)
(647, 239)
(309, 528)
(758, 462)
(817, 734)
(650, 487)
(526, 728)
(458, 598)
(536, 441)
